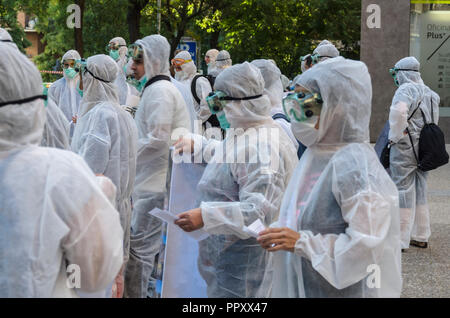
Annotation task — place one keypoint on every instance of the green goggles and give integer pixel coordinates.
(218, 100)
(394, 71)
(113, 47)
(80, 66)
(136, 53)
(301, 107)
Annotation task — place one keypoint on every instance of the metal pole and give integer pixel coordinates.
(159, 17)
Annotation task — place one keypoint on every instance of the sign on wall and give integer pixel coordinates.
(435, 53)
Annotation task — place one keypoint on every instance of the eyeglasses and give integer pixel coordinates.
(113, 46)
(68, 63)
(394, 71)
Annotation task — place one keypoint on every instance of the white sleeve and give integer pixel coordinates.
(95, 239)
(398, 121)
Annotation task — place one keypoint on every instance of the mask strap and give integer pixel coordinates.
(6, 41)
(243, 98)
(102, 80)
(23, 101)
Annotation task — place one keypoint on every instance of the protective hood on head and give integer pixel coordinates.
(409, 63)
(6, 38)
(213, 56)
(223, 60)
(188, 69)
(20, 124)
(326, 51)
(239, 81)
(324, 42)
(272, 78)
(71, 55)
(346, 90)
(156, 55)
(285, 81)
(98, 82)
(123, 50)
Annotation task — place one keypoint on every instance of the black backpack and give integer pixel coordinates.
(211, 80)
(214, 122)
(432, 153)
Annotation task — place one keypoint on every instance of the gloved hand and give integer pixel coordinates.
(184, 145)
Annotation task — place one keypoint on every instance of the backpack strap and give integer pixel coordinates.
(194, 88)
(412, 144)
(156, 79)
(280, 116)
(415, 111)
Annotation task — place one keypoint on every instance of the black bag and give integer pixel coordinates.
(432, 153)
(212, 120)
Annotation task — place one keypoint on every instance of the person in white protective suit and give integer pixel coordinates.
(47, 229)
(223, 61)
(237, 193)
(56, 129)
(274, 90)
(210, 59)
(106, 135)
(6, 38)
(65, 91)
(325, 50)
(185, 72)
(410, 181)
(161, 112)
(339, 220)
(117, 49)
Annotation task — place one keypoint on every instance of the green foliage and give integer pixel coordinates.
(8, 20)
(248, 29)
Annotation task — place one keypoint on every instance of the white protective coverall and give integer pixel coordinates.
(274, 90)
(340, 198)
(162, 110)
(106, 135)
(236, 193)
(56, 129)
(411, 182)
(203, 87)
(64, 92)
(53, 212)
(223, 61)
(124, 88)
(213, 56)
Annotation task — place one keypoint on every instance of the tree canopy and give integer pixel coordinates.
(248, 29)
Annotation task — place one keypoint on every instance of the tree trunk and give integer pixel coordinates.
(214, 40)
(134, 19)
(79, 31)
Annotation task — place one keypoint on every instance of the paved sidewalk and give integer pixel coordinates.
(426, 272)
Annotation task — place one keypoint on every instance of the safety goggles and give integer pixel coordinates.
(136, 53)
(394, 71)
(113, 47)
(218, 100)
(69, 64)
(301, 107)
(81, 67)
(177, 63)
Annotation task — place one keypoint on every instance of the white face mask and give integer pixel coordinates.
(305, 131)
(178, 75)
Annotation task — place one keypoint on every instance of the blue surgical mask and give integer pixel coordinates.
(114, 54)
(70, 72)
(224, 124)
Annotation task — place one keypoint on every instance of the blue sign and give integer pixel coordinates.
(191, 47)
